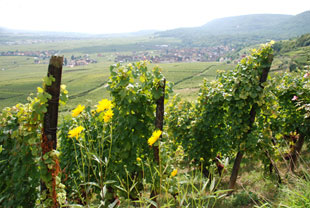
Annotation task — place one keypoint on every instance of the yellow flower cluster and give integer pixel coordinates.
(174, 172)
(77, 110)
(104, 104)
(156, 134)
(76, 132)
(108, 115)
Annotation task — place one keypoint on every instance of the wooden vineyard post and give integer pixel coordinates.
(159, 124)
(296, 151)
(237, 162)
(49, 138)
(273, 165)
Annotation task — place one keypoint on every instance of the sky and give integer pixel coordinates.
(118, 16)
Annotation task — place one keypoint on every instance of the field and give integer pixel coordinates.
(19, 76)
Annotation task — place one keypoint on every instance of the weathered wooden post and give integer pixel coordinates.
(236, 166)
(159, 124)
(296, 151)
(49, 138)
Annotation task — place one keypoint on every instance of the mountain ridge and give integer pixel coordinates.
(239, 31)
(254, 27)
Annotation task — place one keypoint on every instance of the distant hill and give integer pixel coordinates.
(244, 24)
(12, 36)
(296, 25)
(238, 32)
(249, 29)
(12, 32)
(132, 34)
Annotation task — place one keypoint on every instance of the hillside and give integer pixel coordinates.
(292, 54)
(289, 54)
(243, 30)
(296, 25)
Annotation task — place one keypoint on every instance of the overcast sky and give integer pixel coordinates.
(115, 16)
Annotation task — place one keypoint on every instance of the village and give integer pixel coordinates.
(170, 55)
(79, 61)
(164, 54)
(39, 54)
(42, 57)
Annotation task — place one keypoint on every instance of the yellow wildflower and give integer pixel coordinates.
(76, 132)
(174, 172)
(40, 90)
(139, 159)
(104, 104)
(156, 134)
(77, 110)
(63, 89)
(108, 115)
